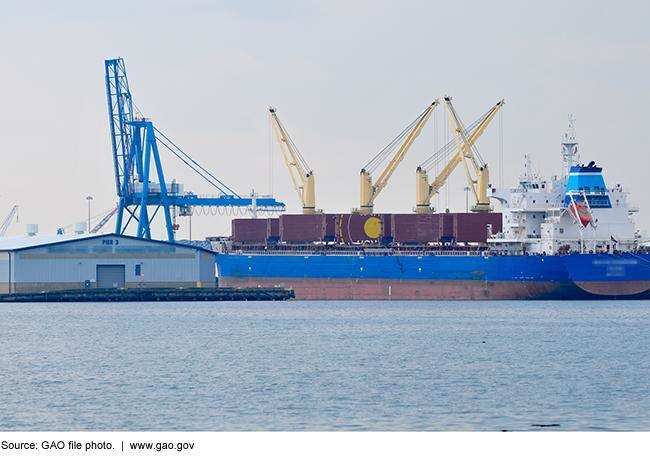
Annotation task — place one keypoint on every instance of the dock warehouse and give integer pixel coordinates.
(58, 262)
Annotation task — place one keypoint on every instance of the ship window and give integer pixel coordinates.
(534, 216)
(561, 230)
(533, 201)
(138, 269)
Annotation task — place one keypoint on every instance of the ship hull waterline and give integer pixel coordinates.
(380, 289)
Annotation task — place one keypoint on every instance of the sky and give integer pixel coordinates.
(345, 77)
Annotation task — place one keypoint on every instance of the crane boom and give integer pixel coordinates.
(370, 191)
(120, 114)
(465, 141)
(6, 223)
(104, 219)
(301, 175)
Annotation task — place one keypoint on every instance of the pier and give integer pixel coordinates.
(151, 294)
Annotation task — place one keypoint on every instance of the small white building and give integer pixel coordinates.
(59, 262)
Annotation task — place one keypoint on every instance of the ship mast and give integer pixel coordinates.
(569, 148)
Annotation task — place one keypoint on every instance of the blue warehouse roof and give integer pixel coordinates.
(12, 244)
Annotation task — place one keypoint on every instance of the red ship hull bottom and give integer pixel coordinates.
(383, 289)
(615, 288)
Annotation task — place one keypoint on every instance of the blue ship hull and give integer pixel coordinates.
(395, 276)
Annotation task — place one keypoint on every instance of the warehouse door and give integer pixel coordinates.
(110, 276)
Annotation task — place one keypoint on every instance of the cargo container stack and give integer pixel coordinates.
(374, 229)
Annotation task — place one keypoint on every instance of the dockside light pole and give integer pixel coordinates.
(89, 198)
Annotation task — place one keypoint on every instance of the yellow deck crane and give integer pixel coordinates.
(400, 145)
(301, 175)
(459, 150)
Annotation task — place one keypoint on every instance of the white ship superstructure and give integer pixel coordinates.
(573, 212)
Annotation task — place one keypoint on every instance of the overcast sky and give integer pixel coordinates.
(345, 76)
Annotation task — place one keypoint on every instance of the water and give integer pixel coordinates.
(325, 366)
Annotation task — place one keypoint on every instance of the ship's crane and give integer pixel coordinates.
(301, 174)
(139, 179)
(6, 223)
(104, 220)
(399, 146)
(459, 150)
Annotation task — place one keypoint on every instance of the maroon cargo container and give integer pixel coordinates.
(472, 227)
(387, 225)
(446, 227)
(272, 229)
(416, 228)
(352, 228)
(331, 224)
(302, 228)
(249, 230)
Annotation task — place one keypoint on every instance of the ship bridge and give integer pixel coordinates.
(587, 182)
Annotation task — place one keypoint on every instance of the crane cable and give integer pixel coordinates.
(442, 155)
(380, 157)
(202, 172)
(472, 145)
(435, 148)
(225, 189)
(501, 148)
(301, 160)
(230, 211)
(447, 149)
(93, 219)
(271, 156)
(218, 185)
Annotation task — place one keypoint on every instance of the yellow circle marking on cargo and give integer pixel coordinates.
(372, 227)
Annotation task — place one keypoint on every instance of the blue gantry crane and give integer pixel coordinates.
(142, 190)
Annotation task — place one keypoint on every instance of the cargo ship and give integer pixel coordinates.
(568, 237)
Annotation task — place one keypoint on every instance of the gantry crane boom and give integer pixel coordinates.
(464, 139)
(299, 171)
(370, 191)
(6, 223)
